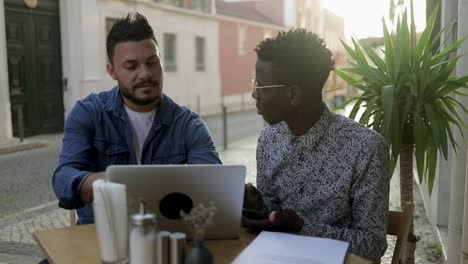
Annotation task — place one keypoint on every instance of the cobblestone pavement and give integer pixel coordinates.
(28, 173)
(17, 244)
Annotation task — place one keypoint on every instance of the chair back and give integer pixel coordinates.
(72, 217)
(399, 223)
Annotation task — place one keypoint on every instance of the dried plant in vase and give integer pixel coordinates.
(197, 221)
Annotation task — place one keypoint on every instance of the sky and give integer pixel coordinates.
(363, 18)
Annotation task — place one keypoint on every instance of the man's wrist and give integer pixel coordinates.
(86, 190)
(83, 180)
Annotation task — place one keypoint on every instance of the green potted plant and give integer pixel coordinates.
(408, 96)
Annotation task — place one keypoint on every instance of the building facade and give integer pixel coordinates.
(447, 205)
(31, 83)
(55, 54)
(52, 53)
(336, 91)
(310, 15)
(241, 29)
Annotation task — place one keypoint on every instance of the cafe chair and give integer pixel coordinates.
(399, 223)
(72, 217)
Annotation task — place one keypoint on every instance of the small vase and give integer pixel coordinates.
(199, 254)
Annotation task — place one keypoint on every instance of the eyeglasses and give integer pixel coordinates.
(255, 85)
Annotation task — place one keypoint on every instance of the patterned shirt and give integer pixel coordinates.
(336, 177)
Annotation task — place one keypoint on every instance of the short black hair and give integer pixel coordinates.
(298, 57)
(132, 27)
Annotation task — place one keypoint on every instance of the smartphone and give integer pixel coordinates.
(254, 214)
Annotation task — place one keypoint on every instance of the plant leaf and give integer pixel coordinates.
(387, 106)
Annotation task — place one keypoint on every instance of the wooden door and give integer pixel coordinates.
(34, 66)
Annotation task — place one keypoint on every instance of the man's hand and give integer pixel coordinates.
(86, 191)
(252, 198)
(281, 221)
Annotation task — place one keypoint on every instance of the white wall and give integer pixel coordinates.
(184, 85)
(5, 112)
(72, 66)
(290, 19)
(457, 188)
(85, 38)
(438, 204)
(449, 14)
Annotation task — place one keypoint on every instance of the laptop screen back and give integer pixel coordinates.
(167, 189)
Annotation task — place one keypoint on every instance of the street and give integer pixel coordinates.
(26, 175)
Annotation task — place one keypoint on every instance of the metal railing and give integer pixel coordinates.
(229, 123)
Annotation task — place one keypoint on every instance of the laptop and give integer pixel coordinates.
(167, 189)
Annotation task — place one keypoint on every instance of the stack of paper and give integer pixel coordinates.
(270, 247)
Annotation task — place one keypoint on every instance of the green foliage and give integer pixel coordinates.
(433, 252)
(408, 95)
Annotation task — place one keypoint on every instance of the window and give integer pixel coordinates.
(170, 55)
(338, 100)
(242, 40)
(179, 3)
(200, 54)
(201, 5)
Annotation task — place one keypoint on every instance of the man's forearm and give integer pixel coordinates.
(86, 191)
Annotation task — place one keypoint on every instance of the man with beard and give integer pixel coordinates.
(134, 123)
(318, 173)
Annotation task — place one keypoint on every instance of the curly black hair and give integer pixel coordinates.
(299, 57)
(132, 27)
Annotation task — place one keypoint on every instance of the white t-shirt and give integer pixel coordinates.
(141, 125)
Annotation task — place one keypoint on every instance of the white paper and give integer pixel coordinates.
(275, 248)
(110, 216)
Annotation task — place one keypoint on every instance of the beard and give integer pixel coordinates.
(129, 93)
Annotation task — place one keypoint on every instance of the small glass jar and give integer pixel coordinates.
(143, 237)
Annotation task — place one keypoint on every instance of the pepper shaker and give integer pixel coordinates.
(177, 248)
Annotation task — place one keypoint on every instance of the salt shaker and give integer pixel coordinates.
(143, 237)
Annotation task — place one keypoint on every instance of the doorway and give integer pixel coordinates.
(34, 66)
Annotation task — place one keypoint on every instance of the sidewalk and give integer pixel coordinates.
(18, 246)
(11, 145)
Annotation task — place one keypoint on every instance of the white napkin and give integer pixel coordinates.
(110, 216)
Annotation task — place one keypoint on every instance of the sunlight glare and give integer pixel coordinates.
(363, 18)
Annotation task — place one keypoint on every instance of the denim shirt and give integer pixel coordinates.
(98, 134)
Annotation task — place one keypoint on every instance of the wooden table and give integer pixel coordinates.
(78, 244)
